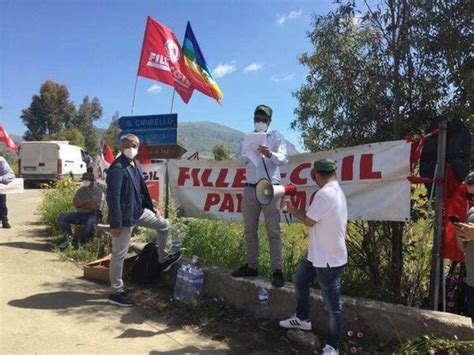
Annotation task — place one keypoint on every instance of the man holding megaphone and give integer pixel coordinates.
(326, 219)
(273, 155)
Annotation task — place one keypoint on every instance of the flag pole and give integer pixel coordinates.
(172, 100)
(134, 92)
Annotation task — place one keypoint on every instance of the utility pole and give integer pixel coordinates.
(437, 264)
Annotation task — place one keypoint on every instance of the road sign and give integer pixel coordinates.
(166, 151)
(132, 123)
(154, 136)
(151, 129)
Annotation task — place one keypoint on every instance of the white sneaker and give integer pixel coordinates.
(329, 350)
(296, 323)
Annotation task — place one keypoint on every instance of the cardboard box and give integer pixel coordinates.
(99, 269)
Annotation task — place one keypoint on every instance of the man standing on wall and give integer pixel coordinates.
(326, 220)
(274, 154)
(130, 204)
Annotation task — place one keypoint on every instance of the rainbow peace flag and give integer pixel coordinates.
(198, 72)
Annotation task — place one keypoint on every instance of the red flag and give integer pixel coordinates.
(5, 138)
(144, 155)
(455, 204)
(162, 59)
(108, 154)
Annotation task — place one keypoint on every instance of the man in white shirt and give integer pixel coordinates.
(274, 154)
(327, 254)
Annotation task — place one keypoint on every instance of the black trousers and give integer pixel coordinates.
(3, 208)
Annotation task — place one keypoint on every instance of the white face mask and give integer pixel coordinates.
(261, 127)
(130, 153)
(86, 184)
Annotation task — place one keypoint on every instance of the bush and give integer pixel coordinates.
(57, 199)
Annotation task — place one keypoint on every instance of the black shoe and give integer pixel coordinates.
(171, 260)
(277, 279)
(245, 271)
(64, 242)
(6, 225)
(121, 299)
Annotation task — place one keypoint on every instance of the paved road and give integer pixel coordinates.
(46, 308)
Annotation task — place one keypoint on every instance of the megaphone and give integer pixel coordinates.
(265, 192)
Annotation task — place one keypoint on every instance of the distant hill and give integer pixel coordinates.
(200, 136)
(204, 136)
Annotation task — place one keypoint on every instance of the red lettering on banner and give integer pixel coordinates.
(205, 178)
(295, 177)
(183, 175)
(299, 200)
(194, 174)
(239, 179)
(347, 172)
(239, 202)
(211, 200)
(221, 178)
(227, 204)
(366, 166)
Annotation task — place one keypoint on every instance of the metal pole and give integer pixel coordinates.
(172, 101)
(167, 191)
(134, 92)
(436, 261)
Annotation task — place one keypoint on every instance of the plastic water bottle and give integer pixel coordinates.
(263, 300)
(176, 241)
(179, 287)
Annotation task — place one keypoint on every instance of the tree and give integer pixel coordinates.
(221, 152)
(111, 136)
(379, 74)
(88, 112)
(49, 112)
(72, 135)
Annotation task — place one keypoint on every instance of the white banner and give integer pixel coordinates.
(154, 176)
(373, 177)
(15, 187)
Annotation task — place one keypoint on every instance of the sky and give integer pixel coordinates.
(93, 46)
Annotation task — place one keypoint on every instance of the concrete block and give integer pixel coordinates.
(379, 320)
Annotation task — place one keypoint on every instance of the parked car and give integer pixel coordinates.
(50, 161)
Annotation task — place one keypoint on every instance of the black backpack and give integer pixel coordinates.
(146, 267)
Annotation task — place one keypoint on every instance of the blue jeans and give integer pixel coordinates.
(329, 279)
(87, 219)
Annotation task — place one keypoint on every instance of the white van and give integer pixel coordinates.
(53, 160)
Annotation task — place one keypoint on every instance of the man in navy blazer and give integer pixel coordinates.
(130, 204)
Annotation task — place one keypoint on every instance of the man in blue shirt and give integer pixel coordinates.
(130, 204)
(274, 155)
(6, 177)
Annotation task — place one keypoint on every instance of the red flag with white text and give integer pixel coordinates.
(162, 59)
(5, 138)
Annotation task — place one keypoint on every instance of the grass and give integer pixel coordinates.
(222, 243)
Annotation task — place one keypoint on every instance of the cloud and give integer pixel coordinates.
(224, 69)
(287, 77)
(253, 67)
(155, 89)
(291, 16)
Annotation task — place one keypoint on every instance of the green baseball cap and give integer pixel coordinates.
(263, 109)
(87, 177)
(326, 165)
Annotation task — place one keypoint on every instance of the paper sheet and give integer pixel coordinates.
(250, 146)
